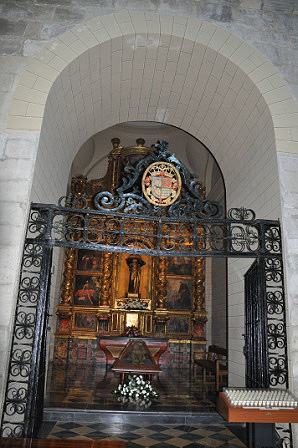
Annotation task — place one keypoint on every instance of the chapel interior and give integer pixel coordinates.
(101, 300)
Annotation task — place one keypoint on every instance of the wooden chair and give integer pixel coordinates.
(215, 362)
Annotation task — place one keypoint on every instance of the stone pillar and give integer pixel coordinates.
(17, 155)
(288, 169)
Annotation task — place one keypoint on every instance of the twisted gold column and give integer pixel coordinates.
(106, 278)
(68, 274)
(199, 285)
(161, 282)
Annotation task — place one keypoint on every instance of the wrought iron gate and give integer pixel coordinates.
(255, 349)
(265, 325)
(190, 227)
(239, 235)
(265, 346)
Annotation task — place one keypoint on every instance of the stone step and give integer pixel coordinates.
(138, 417)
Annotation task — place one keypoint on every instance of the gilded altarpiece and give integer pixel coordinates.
(106, 294)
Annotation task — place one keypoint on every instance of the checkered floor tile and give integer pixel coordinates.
(157, 436)
(91, 387)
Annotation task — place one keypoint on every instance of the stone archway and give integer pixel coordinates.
(142, 66)
(177, 70)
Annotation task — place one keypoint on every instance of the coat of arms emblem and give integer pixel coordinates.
(161, 183)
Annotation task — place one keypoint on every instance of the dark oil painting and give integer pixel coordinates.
(179, 294)
(87, 290)
(84, 321)
(178, 325)
(88, 260)
(180, 266)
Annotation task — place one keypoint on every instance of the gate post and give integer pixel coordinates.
(276, 321)
(24, 388)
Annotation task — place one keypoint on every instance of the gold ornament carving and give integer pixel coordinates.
(161, 282)
(79, 185)
(68, 274)
(106, 280)
(199, 285)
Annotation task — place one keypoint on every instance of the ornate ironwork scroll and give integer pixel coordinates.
(266, 337)
(118, 232)
(276, 322)
(128, 197)
(277, 336)
(24, 390)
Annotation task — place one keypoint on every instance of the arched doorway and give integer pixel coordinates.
(207, 90)
(220, 63)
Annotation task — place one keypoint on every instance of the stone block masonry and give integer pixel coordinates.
(271, 26)
(17, 157)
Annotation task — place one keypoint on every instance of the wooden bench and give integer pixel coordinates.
(214, 361)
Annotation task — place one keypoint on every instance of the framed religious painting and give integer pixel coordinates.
(178, 325)
(179, 293)
(87, 290)
(180, 266)
(88, 260)
(85, 322)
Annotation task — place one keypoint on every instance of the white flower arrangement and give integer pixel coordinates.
(137, 391)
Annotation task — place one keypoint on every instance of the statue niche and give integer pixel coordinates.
(134, 263)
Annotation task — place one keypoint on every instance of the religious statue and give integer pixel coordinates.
(134, 263)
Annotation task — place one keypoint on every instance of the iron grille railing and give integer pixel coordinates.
(156, 236)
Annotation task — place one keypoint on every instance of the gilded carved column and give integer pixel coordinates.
(199, 286)
(64, 312)
(68, 274)
(199, 316)
(161, 283)
(106, 279)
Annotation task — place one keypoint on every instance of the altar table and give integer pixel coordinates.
(112, 346)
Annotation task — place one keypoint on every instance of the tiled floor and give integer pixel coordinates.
(87, 389)
(90, 387)
(156, 435)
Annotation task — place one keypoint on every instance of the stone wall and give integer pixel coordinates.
(288, 169)
(17, 156)
(271, 26)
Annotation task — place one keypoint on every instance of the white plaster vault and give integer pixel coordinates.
(182, 71)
